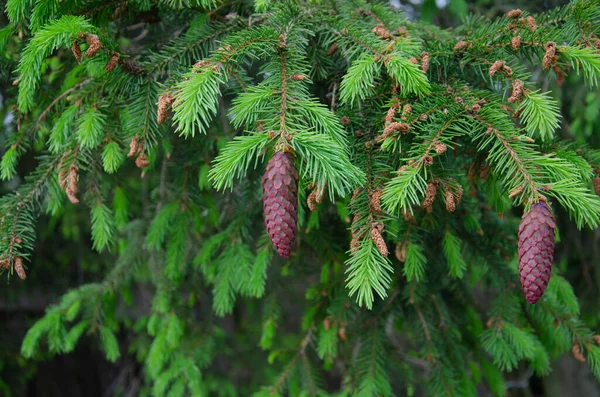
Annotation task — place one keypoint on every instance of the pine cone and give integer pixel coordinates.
(280, 201)
(536, 250)
(597, 185)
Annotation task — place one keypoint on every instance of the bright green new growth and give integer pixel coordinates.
(377, 112)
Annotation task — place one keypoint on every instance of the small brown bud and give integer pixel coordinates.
(379, 241)
(597, 185)
(375, 200)
(476, 108)
(517, 92)
(550, 55)
(134, 146)
(460, 45)
(19, 268)
(514, 13)
(141, 161)
(332, 49)
(327, 323)
(112, 61)
(424, 61)
(577, 353)
(94, 45)
(18, 240)
(450, 203)
(381, 31)
(427, 160)
(496, 66)
(531, 23)
(401, 248)
(389, 117)
(430, 194)
(342, 333)
(458, 194)
(72, 184)
(131, 66)
(413, 60)
(298, 77)
(440, 148)
(76, 49)
(345, 120)
(516, 42)
(560, 76)
(516, 191)
(164, 101)
(597, 339)
(424, 116)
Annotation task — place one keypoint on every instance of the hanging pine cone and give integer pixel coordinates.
(536, 250)
(280, 201)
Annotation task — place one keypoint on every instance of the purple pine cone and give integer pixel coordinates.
(280, 201)
(536, 250)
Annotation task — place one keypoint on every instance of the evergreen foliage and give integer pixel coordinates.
(405, 135)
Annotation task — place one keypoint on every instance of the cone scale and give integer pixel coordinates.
(536, 250)
(280, 201)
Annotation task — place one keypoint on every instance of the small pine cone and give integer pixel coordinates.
(517, 92)
(298, 77)
(280, 201)
(597, 185)
(94, 45)
(549, 57)
(76, 49)
(379, 241)
(400, 251)
(577, 352)
(311, 200)
(440, 148)
(375, 200)
(164, 101)
(395, 126)
(424, 61)
(381, 31)
(531, 23)
(514, 13)
(389, 117)
(142, 161)
(134, 146)
(450, 204)
(112, 62)
(19, 268)
(496, 66)
(516, 191)
(458, 194)
(131, 66)
(516, 42)
(430, 194)
(332, 49)
(460, 45)
(4, 264)
(536, 250)
(72, 184)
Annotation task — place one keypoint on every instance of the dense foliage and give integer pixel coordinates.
(417, 149)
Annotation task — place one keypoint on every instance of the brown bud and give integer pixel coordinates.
(514, 13)
(332, 49)
(18, 240)
(440, 148)
(19, 268)
(342, 333)
(112, 61)
(134, 146)
(141, 161)
(550, 55)
(315, 197)
(560, 76)
(381, 31)
(449, 199)
(389, 117)
(518, 190)
(327, 323)
(298, 77)
(427, 160)
(577, 352)
(597, 185)
(430, 194)
(400, 251)
(131, 66)
(94, 45)
(531, 23)
(408, 216)
(379, 241)
(496, 66)
(345, 120)
(413, 60)
(72, 184)
(164, 101)
(460, 45)
(76, 49)
(516, 42)
(597, 339)
(517, 92)
(424, 61)
(375, 200)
